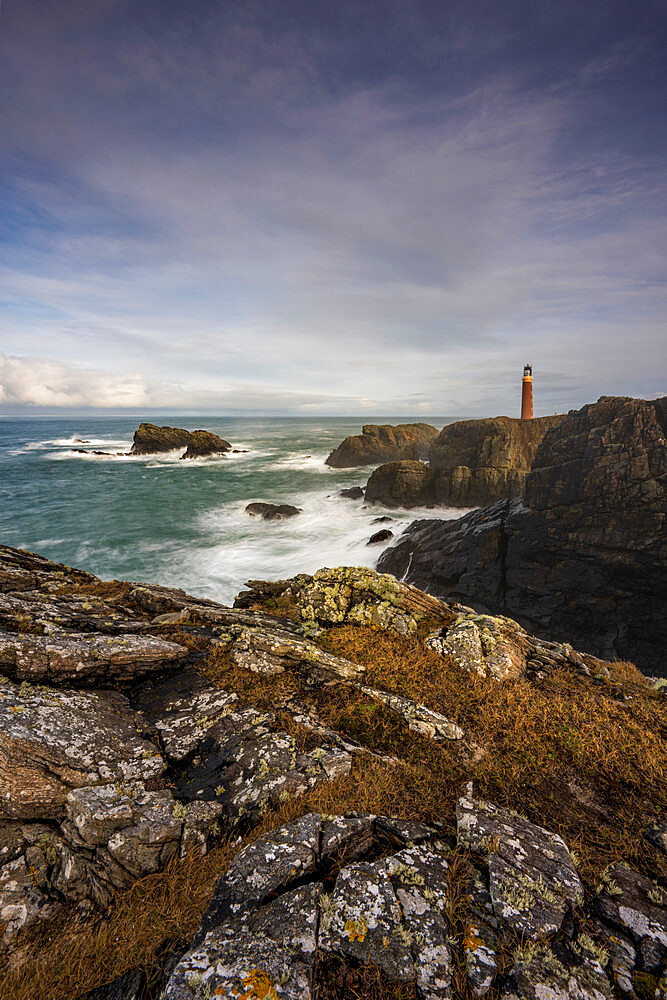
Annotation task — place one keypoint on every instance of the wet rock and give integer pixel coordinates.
(85, 659)
(401, 484)
(637, 907)
(272, 511)
(533, 881)
(352, 493)
(381, 443)
(380, 536)
(385, 519)
(54, 740)
(201, 444)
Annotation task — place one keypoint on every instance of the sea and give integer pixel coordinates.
(182, 523)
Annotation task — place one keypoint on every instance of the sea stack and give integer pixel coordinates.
(527, 393)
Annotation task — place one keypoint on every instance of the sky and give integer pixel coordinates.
(331, 207)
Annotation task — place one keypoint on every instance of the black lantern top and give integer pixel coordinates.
(527, 369)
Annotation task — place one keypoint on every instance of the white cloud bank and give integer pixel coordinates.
(43, 382)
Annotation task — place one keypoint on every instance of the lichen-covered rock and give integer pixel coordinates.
(22, 570)
(491, 646)
(386, 910)
(52, 741)
(480, 943)
(382, 443)
(637, 907)
(540, 975)
(351, 594)
(85, 659)
(272, 651)
(533, 881)
(419, 718)
(201, 444)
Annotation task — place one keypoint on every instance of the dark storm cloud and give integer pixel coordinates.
(336, 206)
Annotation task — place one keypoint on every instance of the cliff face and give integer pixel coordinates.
(401, 484)
(480, 461)
(383, 443)
(583, 554)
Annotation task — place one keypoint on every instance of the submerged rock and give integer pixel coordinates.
(382, 443)
(272, 511)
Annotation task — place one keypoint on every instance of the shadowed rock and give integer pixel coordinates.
(401, 484)
(582, 556)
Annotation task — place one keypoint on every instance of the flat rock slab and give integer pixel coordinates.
(54, 740)
(85, 659)
(533, 880)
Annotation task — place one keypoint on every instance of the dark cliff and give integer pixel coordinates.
(582, 554)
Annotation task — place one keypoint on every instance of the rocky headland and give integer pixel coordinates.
(341, 787)
(149, 439)
(581, 555)
(471, 462)
(383, 443)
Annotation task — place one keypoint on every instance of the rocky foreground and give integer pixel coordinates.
(582, 554)
(368, 745)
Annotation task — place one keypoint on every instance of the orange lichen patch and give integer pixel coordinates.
(257, 986)
(356, 930)
(471, 941)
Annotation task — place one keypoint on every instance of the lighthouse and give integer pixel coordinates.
(527, 393)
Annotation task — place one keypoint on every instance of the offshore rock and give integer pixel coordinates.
(480, 461)
(272, 511)
(382, 443)
(582, 556)
(401, 484)
(352, 493)
(149, 439)
(380, 536)
(203, 443)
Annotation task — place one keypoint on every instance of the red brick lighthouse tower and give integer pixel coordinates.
(527, 393)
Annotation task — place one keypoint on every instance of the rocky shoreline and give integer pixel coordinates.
(122, 747)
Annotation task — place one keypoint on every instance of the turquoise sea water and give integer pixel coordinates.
(182, 523)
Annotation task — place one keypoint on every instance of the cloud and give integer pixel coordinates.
(237, 212)
(41, 382)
